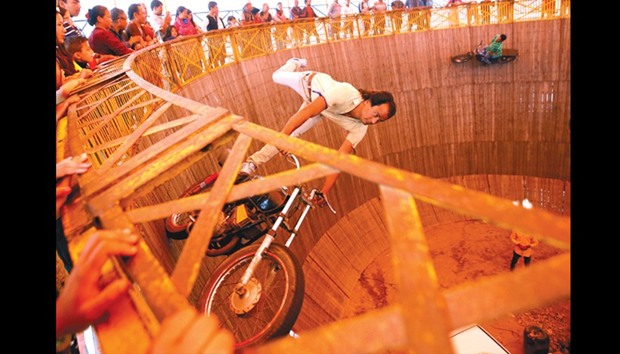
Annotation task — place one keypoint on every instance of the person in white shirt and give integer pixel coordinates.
(159, 20)
(348, 13)
(351, 108)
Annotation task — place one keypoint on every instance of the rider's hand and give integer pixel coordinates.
(319, 199)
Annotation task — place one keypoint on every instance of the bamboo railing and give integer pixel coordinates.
(146, 141)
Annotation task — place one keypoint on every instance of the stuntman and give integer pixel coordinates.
(494, 50)
(351, 108)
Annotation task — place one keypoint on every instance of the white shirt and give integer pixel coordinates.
(341, 98)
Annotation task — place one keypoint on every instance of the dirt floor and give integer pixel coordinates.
(464, 251)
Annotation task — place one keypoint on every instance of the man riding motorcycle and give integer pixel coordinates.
(494, 50)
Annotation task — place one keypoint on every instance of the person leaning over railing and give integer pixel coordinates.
(65, 70)
(160, 21)
(348, 23)
(137, 17)
(217, 46)
(119, 24)
(378, 9)
(398, 8)
(310, 27)
(102, 40)
(298, 33)
(281, 31)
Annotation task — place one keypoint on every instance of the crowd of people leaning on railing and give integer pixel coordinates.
(117, 32)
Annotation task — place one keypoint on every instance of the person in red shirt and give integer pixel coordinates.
(101, 39)
(309, 13)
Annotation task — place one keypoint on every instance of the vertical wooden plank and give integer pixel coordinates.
(423, 307)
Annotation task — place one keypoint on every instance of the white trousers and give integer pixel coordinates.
(288, 75)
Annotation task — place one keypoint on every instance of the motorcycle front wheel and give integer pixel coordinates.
(270, 303)
(462, 58)
(504, 60)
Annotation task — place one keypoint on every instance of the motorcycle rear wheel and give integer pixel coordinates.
(278, 292)
(177, 225)
(462, 58)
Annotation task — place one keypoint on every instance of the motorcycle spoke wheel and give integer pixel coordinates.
(276, 295)
(462, 58)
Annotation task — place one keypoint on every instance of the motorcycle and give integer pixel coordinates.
(479, 52)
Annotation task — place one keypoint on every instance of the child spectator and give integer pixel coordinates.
(81, 53)
(171, 33)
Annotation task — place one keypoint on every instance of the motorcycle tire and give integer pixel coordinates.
(276, 294)
(461, 58)
(178, 225)
(504, 60)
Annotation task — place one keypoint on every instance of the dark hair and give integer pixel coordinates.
(115, 13)
(73, 44)
(92, 14)
(380, 97)
(156, 3)
(168, 34)
(231, 17)
(212, 4)
(133, 8)
(503, 37)
(180, 9)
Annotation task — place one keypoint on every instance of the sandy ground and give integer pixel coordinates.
(464, 251)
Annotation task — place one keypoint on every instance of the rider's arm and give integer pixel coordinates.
(314, 108)
(347, 148)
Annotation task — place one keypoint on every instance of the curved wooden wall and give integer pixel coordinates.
(503, 130)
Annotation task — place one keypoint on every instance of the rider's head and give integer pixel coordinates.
(379, 106)
(502, 37)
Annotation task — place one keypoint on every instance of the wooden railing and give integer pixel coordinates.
(140, 135)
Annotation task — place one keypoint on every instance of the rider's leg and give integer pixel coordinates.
(286, 75)
(269, 151)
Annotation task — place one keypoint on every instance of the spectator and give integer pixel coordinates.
(214, 21)
(160, 22)
(378, 9)
(182, 22)
(232, 22)
(348, 11)
(334, 12)
(171, 33)
(366, 14)
(340, 102)
(146, 26)
(102, 39)
(398, 8)
(217, 45)
(72, 9)
(281, 31)
(310, 27)
(249, 16)
(298, 33)
(65, 69)
(137, 18)
(119, 24)
(83, 301)
(190, 18)
(81, 53)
